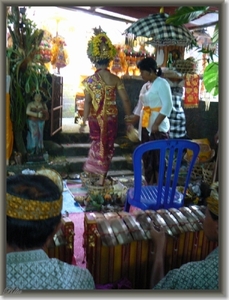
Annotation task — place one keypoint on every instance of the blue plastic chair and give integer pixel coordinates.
(164, 194)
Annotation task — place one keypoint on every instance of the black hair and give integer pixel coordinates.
(104, 61)
(31, 234)
(43, 98)
(150, 65)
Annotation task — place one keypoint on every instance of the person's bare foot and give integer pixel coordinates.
(101, 181)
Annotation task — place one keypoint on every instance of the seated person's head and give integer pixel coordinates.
(33, 209)
(212, 212)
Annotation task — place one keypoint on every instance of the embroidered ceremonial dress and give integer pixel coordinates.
(103, 124)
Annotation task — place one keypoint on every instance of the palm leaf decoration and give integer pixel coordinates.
(210, 78)
(186, 14)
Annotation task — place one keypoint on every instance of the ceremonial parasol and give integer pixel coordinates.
(159, 33)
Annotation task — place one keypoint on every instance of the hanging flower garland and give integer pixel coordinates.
(119, 63)
(45, 51)
(59, 55)
(45, 47)
(100, 47)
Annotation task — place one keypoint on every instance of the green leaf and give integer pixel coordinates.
(34, 76)
(211, 78)
(186, 14)
(95, 204)
(98, 199)
(27, 85)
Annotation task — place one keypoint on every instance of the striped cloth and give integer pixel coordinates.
(161, 34)
(177, 117)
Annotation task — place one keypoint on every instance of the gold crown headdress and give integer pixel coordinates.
(213, 199)
(28, 209)
(100, 47)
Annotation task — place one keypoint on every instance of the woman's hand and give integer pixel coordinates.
(154, 128)
(131, 119)
(157, 122)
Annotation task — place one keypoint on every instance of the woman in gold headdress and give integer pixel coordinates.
(100, 107)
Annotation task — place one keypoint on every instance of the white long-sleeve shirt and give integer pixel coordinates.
(157, 94)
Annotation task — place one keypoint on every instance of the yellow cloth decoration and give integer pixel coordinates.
(26, 209)
(213, 199)
(205, 153)
(59, 55)
(147, 113)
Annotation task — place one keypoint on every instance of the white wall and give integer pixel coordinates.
(77, 28)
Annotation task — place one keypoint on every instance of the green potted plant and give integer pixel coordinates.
(26, 69)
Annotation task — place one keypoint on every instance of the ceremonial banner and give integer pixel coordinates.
(191, 99)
